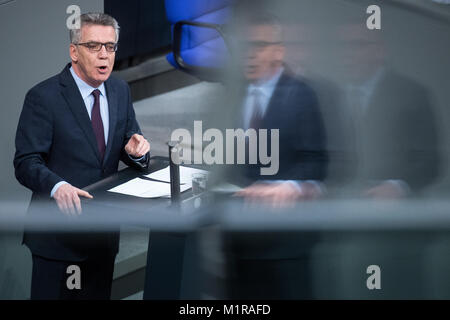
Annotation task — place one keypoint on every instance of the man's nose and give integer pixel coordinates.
(251, 53)
(103, 53)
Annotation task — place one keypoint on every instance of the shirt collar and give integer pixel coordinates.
(369, 85)
(267, 86)
(85, 89)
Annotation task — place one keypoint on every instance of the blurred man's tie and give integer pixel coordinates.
(255, 123)
(256, 118)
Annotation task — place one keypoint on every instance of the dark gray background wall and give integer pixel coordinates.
(144, 27)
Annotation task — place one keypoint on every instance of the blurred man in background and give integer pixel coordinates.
(274, 265)
(390, 118)
(274, 98)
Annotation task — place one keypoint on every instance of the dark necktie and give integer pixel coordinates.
(255, 123)
(256, 119)
(97, 123)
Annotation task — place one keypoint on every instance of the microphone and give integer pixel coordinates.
(174, 172)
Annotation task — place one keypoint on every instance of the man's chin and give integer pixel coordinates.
(102, 78)
(251, 76)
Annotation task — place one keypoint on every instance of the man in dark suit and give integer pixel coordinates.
(399, 142)
(390, 119)
(273, 265)
(73, 130)
(275, 99)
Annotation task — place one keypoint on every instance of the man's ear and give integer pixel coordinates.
(73, 52)
(280, 52)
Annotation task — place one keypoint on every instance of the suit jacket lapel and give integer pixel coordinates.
(78, 108)
(112, 106)
(276, 100)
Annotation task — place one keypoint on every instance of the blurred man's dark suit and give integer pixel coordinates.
(55, 142)
(294, 110)
(401, 138)
(393, 135)
(274, 265)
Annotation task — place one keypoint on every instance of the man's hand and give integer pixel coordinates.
(67, 198)
(137, 146)
(278, 195)
(386, 190)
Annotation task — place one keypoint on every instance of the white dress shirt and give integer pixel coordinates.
(262, 90)
(88, 98)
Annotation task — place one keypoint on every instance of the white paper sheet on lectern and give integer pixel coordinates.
(185, 174)
(146, 189)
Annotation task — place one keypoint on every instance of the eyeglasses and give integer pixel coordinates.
(258, 44)
(97, 46)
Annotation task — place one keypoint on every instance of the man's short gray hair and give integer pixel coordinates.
(267, 19)
(246, 18)
(101, 19)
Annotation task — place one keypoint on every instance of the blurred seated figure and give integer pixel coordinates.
(271, 97)
(393, 134)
